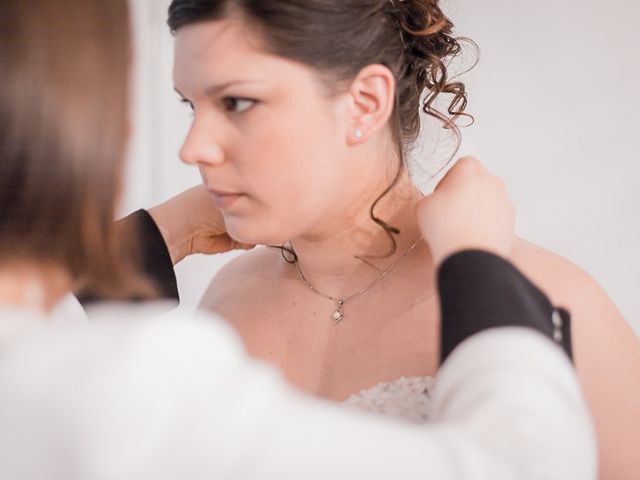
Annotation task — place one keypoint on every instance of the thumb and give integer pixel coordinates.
(464, 167)
(422, 213)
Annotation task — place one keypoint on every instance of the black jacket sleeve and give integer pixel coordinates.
(479, 290)
(155, 260)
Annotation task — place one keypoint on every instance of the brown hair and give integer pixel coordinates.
(338, 38)
(63, 101)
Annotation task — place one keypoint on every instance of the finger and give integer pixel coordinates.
(464, 167)
(423, 211)
(472, 164)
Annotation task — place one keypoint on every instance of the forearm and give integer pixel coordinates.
(177, 240)
(157, 262)
(479, 290)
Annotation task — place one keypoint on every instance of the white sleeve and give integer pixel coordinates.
(180, 400)
(507, 405)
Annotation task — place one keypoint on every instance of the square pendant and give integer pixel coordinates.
(337, 315)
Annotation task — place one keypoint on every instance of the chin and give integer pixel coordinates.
(255, 233)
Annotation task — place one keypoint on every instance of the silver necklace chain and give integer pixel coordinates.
(338, 314)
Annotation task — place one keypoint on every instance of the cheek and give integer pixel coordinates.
(293, 170)
(277, 215)
(287, 162)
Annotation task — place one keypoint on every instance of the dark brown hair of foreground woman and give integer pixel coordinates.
(63, 129)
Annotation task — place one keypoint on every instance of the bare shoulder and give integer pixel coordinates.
(562, 280)
(240, 281)
(597, 323)
(606, 354)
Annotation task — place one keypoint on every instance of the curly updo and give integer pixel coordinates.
(413, 38)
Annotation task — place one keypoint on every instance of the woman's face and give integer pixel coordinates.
(271, 146)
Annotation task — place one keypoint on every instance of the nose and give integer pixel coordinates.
(201, 146)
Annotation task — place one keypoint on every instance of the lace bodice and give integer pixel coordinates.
(406, 398)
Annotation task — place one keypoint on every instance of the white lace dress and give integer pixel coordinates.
(406, 398)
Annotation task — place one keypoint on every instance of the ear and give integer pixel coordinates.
(371, 101)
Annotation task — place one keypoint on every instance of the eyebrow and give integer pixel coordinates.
(214, 89)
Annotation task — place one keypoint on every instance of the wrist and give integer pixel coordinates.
(176, 239)
(442, 255)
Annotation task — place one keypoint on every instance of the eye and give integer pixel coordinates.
(188, 102)
(238, 105)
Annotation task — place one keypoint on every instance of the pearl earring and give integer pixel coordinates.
(358, 133)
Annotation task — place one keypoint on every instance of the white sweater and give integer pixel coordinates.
(126, 397)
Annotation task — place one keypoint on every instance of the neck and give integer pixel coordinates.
(330, 259)
(34, 287)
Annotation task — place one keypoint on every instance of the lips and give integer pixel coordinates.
(222, 199)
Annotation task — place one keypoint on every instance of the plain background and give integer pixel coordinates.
(555, 101)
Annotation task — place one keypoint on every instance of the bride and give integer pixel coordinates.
(303, 115)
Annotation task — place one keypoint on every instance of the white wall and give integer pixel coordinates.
(554, 97)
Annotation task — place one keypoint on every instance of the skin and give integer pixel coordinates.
(304, 177)
(190, 223)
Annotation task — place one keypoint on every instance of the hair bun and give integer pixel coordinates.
(420, 18)
(427, 35)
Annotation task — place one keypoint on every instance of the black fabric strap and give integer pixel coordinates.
(480, 290)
